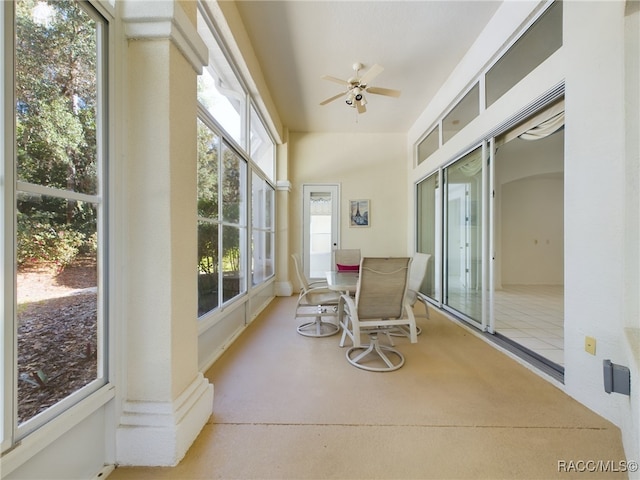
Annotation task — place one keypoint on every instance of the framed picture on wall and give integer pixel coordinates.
(359, 213)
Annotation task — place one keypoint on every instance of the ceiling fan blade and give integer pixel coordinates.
(361, 108)
(331, 99)
(371, 74)
(334, 79)
(384, 91)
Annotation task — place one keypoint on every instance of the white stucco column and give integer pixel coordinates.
(165, 401)
(284, 286)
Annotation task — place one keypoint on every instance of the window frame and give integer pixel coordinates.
(242, 149)
(480, 81)
(86, 398)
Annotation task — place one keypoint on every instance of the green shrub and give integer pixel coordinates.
(40, 242)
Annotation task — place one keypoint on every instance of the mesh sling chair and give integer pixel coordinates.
(380, 305)
(315, 300)
(346, 259)
(416, 277)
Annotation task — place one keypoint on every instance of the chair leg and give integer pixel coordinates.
(318, 328)
(375, 350)
(403, 331)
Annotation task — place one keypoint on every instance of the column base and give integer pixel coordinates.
(160, 433)
(284, 289)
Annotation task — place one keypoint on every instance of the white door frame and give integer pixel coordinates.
(333, 189)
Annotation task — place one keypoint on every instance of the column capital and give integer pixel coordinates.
(283, 186)
(165, 20)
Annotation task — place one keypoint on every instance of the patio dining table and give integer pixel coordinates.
(344, 282)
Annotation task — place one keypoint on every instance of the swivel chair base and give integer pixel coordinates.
(318, 328)
(391, 358)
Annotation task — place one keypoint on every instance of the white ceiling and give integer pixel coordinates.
(417, 42)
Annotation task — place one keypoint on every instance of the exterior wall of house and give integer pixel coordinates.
(598, 195)
(601, 223)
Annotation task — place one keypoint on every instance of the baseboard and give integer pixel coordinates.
(284, 289)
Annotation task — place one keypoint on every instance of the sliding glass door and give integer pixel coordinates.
(429, 233)
(463, 236)
(528, 236)
(493, 220)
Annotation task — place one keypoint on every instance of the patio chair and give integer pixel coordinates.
(416, 277)
(380, 306)
(315, 300)
(346, 259)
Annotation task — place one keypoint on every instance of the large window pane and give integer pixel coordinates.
(208, 267)
(58, 219)
(262, 241)
(57, 300)
(208, 151)
(233, 186)
(232, 274)
(208, 226)
(56, 95)
(537, 44)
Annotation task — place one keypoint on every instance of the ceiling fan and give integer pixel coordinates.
(357, 86)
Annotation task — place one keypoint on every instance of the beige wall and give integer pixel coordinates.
(367, 166)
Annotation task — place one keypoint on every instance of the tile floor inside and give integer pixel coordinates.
(532, 316)
(529, 315)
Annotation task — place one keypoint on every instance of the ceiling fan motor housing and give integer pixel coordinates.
(356, 87)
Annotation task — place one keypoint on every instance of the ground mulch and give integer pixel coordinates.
(57, 334)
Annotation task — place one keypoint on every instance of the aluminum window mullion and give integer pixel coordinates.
(8, 373)
(484, 258)
(56, 192)
(492, 248)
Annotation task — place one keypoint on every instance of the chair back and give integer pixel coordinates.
(297, 262)
(346, 259)
(416, 275)
(382, 287)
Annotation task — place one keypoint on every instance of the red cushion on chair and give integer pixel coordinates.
(348, 268)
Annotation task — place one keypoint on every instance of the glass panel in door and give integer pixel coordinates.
(429, 239)
(528, 277)
(320, 234)
(463, 232)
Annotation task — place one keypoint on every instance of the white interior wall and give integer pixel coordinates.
(529, 206)
(532, 231)
(367, 166)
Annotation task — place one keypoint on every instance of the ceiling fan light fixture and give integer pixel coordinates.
(356, 87)
(350, 99)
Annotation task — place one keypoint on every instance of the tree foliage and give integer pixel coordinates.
(56, 141)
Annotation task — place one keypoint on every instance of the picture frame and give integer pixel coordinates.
(359, 213)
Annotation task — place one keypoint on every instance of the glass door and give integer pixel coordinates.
(463, 236)
(320, 223)
(527, 274)
(429, 233)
